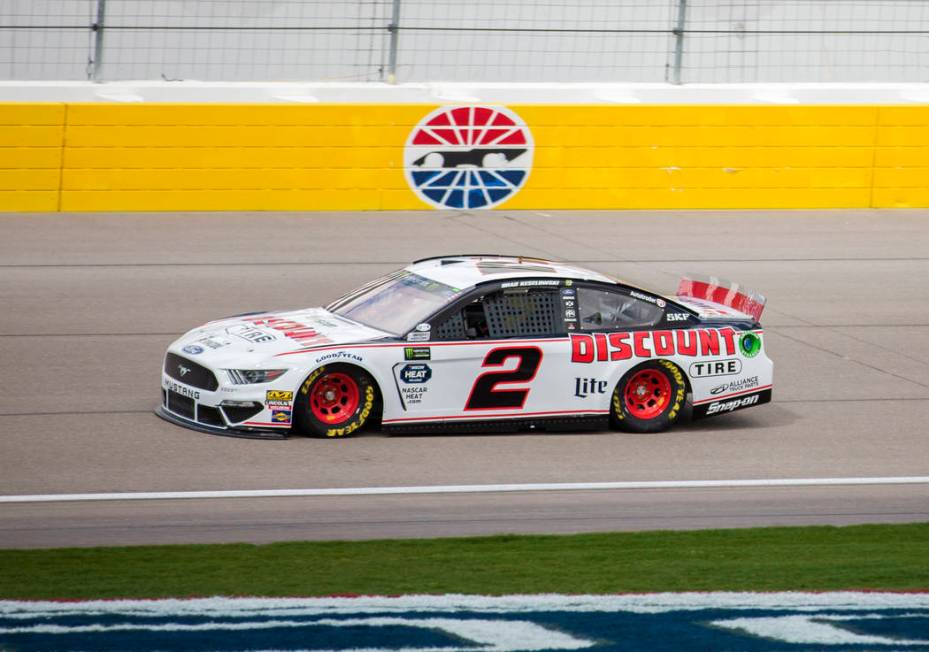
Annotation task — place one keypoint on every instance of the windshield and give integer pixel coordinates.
(394, 303)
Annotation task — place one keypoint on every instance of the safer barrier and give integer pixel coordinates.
(211, 157)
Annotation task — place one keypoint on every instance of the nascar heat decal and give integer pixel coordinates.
(468, 156)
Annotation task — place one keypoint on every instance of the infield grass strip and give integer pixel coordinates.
(888, 557)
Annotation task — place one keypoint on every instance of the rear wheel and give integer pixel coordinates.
(649, 398)
(335, 401)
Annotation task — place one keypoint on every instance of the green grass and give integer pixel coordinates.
(766, 559)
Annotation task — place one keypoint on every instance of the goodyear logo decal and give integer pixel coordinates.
(468, 156)
(708, 621)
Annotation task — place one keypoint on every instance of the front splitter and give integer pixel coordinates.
(241, 433)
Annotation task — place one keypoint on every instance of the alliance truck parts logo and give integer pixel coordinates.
(468, 156)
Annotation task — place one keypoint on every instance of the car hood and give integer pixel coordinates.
(247, 340)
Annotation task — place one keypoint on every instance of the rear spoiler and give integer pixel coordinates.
(726, 293)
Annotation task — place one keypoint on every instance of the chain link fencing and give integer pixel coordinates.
(678, 41)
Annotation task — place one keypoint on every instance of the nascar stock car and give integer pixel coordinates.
(471, 343)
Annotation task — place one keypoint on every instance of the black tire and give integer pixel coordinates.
(317, 415)
(643, 402)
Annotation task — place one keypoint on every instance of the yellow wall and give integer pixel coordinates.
(160, 157)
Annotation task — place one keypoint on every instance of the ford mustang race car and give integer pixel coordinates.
(471, 343)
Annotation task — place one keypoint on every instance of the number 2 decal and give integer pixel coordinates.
(485, 395)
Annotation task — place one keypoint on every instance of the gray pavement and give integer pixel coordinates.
(91, 300)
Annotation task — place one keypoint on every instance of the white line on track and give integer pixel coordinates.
(464, 489)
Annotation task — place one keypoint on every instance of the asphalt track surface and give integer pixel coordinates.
(90, 301)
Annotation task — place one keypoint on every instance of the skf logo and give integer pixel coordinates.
(278, 395)
(468, 156)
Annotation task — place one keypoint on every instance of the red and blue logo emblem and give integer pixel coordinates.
(468, 156)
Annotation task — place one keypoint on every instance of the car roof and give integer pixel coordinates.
(467, 270)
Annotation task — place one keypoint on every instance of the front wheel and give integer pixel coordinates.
(649, 398)
(335, 402)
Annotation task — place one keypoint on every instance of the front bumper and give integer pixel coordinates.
(202, 402)
(245, 433)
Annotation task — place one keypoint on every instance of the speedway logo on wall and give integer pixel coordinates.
(468, 156)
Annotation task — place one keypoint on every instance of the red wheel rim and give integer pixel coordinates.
(647, 394)
(334, 398)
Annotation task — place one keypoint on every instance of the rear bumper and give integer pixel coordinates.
(245, 433)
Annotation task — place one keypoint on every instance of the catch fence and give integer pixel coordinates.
(505, 41)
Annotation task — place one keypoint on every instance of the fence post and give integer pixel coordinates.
(678, 32)
(394, 29)
(96, 65)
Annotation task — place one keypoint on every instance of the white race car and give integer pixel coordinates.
(475, 343)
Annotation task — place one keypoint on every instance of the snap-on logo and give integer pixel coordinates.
(730, 406)
(468, 156)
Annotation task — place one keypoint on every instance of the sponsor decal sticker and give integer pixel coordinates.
(253, 335)
(301, 333)
(740, 385)
(730, 367)
(584, 387)
(676, 316)
(278, 399)
(721, 407)
(415, 374)
(193, 349)
(417, 353)
(280, 416)
(643, 297)
(569, 303)
(760, 622)
(214, 342)
(468, 156)
(419, 336)
(623, 345)
(749, 345)
(413, 394)
(339, 355)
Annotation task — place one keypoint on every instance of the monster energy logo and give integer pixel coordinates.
(417, 353)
